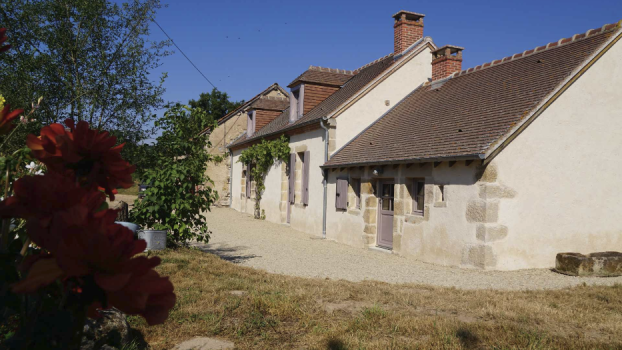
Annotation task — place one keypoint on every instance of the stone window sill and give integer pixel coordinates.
(414, 218)
(440, 205)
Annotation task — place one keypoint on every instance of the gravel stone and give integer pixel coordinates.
(202, 343)
(275, 248)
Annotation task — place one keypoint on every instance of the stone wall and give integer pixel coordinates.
(369, 206)
(441, 234)
(219, 173)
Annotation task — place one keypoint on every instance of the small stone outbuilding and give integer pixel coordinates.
(231, 127)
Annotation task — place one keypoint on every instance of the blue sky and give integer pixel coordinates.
(245, 46)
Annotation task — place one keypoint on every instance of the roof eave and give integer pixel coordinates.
(478, 156)
(283, 131)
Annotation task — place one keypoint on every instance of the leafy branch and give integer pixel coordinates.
(179, 191)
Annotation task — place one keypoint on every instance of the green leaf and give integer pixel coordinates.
(102, 207)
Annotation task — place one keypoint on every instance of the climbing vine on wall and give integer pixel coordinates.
(262, 156)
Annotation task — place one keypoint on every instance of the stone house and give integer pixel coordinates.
(230, 127)
(500, 166)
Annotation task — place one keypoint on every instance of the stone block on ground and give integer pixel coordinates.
(123, 211)
(111, 330)
(605, 264)
(202, 343)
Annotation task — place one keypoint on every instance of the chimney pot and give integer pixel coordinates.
(407, 29)
(446, 61)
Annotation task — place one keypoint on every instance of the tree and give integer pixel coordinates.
(144, 155)
(215, 104)
(90, 60)
(176, 197)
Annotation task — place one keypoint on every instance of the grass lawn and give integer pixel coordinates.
(130, 191)
(280, 312)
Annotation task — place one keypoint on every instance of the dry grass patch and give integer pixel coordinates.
(281, 312)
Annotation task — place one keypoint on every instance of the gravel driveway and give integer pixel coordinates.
(279, 249)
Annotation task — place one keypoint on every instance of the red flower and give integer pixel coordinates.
(49, 200)
(6, 117)
(94, 246)
(89, 155)
(3, 38)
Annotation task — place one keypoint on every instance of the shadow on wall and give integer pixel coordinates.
(226, 252)
(442, 174)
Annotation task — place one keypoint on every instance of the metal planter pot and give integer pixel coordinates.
(156, 239)
(132, 226)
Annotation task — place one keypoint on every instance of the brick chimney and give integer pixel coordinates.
(408, 28)
(446, 61)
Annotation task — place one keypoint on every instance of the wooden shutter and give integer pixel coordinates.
(341, 202)
(305, 177)
(418, 194)
(292, 176)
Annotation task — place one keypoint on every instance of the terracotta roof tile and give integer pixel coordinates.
(271, 103)
(320, 75)
(470, 111)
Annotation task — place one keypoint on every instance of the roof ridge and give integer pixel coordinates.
(551, 45)
(275, 98)
(373, 62)
(331, 70)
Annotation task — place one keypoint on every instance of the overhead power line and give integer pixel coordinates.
(182, 52)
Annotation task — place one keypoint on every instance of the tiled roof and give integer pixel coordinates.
(321, 75)
(271, 103)
(465, 115)
(364, 75)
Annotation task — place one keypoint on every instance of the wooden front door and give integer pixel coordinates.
(385, 214)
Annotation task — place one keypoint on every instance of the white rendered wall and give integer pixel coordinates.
(309, 218)
(566, 169)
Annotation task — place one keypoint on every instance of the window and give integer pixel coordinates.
(292, 177)
(418, 196)
(356, 189)
(296, 103)
(305, 159)
(250, 124)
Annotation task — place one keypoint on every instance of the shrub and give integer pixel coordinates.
(177, 197)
